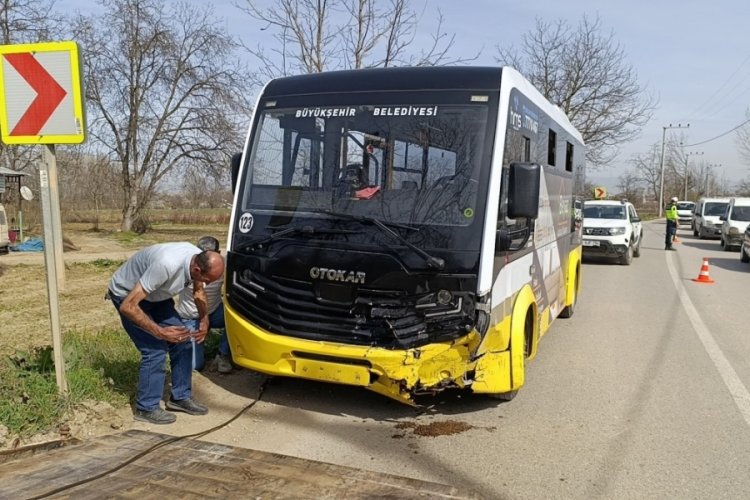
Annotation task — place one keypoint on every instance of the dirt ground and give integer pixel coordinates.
(24, 306)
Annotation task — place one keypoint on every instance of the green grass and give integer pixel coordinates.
(100, 264)
(101, 367)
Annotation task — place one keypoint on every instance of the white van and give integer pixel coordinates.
(736, 219)
(706, 222)
(685, 211)
(4, 238)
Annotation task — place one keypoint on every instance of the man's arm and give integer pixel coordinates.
(201, 303)
(131, 310)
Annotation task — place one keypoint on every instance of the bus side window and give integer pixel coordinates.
(552, 148)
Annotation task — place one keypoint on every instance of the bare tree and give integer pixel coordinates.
(25, 21)
(629, 185)
(320, 35)
(648, 169)
(87, 180)
(743, 187)
(206, 191)
(586, 73)
(164, 89)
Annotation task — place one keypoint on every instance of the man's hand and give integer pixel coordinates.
(131, 310)
(200, 334)
(174, 334)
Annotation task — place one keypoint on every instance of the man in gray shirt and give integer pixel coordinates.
(142, 291)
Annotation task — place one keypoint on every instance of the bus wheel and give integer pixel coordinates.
(527, 339)
(505, 396)
(569, 310)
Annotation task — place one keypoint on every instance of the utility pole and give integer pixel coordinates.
(687, 173)
(661, 164)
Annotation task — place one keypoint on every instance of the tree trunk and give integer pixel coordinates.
(131, 211)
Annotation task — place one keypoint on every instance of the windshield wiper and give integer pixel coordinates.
(432, 261)
(289, 230)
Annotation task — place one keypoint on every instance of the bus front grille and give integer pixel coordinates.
(295, 308)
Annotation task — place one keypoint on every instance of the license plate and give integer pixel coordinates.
(591, 243)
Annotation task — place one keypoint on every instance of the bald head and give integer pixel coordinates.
(207, 266)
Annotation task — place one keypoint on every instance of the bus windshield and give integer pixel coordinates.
(411, 164)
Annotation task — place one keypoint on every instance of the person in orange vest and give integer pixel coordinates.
(672, 223)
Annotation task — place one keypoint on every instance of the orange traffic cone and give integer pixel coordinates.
(703, 276)
(675, 239)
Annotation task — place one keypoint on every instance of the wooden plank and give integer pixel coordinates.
(31, 450)
(198, 469)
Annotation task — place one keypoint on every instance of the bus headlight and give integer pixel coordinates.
(444, 297)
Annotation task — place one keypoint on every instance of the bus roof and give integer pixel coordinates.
(387, 79)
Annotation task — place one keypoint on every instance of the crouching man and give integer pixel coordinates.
(142, 291)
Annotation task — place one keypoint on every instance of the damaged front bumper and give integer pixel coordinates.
(398, 374)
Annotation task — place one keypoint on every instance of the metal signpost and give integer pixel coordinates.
(41, 102)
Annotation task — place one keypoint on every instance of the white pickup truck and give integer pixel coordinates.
(611, 229)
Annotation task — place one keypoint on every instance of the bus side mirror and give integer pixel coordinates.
(234, 166)
(523, 190)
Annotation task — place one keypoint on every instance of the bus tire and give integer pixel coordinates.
(504, 396)
(527, 339)
(570, 309)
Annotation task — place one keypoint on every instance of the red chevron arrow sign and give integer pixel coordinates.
(40, 94)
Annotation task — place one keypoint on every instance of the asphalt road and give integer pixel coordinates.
(642, 394)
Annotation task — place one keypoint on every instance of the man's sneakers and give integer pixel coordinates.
(670, 248)
(157, 416)
(223, 363)
(188, 406)
(161, 417)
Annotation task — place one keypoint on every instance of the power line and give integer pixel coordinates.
(718, 136)
(716, 92)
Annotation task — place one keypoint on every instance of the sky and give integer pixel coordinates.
(693, 56)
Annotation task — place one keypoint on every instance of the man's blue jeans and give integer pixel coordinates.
(154, 351)
(215, 320)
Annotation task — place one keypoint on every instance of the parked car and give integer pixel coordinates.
(745, 246)
(611, 229)
(4, 238)
(685, 211)
(736, 219)
(706, 222)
